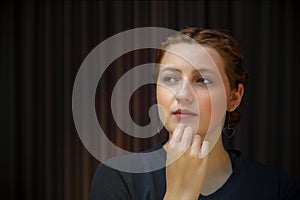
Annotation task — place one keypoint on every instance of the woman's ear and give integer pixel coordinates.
(235, 98)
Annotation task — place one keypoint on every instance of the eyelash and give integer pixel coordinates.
(204, 81)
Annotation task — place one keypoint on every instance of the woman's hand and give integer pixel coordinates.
(186, 164)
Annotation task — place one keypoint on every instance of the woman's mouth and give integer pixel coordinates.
(184, 114)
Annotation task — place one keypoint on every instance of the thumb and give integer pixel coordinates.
(205, 148)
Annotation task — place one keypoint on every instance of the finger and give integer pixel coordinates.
(187, 137)
(205, 148)
(196, 145)
(177, 133)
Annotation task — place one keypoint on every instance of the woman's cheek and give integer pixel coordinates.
(218, 107)
(204, 106)
(163, 101)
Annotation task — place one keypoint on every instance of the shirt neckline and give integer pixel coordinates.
(234, 157)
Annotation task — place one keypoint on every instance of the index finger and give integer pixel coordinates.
(177, 133)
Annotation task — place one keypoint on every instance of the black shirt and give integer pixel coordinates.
(249, 180)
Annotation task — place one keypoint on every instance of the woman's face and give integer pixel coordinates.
(192, 88)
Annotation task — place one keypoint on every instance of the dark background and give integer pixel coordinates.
(44, 43)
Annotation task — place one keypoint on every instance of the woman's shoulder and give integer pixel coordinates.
(243, 164)
(265, 178)
(105, 182)
(118, 184)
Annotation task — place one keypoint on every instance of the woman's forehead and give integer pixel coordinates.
(192, 55)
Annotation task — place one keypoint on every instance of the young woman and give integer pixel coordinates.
(200, 86)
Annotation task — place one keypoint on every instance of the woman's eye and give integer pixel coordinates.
(169, 79)
(203, 80)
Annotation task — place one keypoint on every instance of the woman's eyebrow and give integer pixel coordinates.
(196, 70)
(170, 69)
(204, 70)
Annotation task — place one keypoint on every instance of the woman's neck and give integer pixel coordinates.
(219, 169)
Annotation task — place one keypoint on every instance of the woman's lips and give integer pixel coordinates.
(184, 114)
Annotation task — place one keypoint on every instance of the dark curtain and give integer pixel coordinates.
(44, 43)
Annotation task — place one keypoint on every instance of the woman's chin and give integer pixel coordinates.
(196, 129)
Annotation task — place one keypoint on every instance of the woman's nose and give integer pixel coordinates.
(185, 93)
